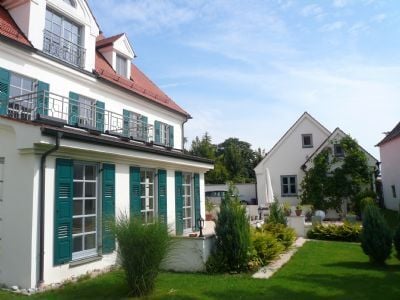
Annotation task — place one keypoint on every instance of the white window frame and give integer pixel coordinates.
(335, 152)
(289, 185)
(65, 25)
(135, 125)
(121, 65)
(93, 251)
(86, 111)
(164, 133)
(2, 166)
(303, 136)
(187, 205)
(146, 198)
(21, 89)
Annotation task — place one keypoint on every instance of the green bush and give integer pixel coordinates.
(233, 236)
(360, 201)
(283, 234)
(346, 232)
(396, 241)
(376, 236)
(141, 249)
(276, 214)
(266, 246)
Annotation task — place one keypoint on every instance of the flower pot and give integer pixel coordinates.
(209, 217)
(298, 212)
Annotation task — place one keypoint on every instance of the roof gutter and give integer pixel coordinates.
(42, 185)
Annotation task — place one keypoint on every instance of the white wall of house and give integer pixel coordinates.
(63, 80)
(390, 168)
(287, 157)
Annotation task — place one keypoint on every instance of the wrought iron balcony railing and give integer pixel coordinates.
(63, 49)
(50, 107)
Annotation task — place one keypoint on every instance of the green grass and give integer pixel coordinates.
(327, 270)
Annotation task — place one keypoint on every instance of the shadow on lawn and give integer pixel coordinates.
(365, 266)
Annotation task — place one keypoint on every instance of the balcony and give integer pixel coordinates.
(53, 109)
(63, 49)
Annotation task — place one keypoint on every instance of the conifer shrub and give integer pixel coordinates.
(233, 236)
(276, 214)
(141, 248)
(376, 236)
(396, 241)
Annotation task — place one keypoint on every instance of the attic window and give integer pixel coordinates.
(338, 150)
(307, 140)
(121, 66)
(70, 2)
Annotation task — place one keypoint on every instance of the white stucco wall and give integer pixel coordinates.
(390, 168)
(287, 158)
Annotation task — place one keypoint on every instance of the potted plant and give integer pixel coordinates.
(209, 209)
(299, 210)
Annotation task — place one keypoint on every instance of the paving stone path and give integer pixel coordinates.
(267, 271)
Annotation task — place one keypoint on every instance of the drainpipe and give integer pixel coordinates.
(42, 184)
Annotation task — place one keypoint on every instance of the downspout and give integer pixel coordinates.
(42, 184)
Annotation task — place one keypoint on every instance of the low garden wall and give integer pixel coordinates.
(189, 254)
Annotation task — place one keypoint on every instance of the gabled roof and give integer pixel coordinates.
(305, 115)
(139, 83)
(104, 42)
(10, 29)
(336, 132)
(391, 135)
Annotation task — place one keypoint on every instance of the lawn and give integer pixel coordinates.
(329, 270)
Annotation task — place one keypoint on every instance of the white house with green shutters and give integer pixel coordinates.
(84, 137)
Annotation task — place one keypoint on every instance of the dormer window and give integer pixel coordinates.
(121, 66)
(307, 140)
(338, 150)
(70, 2)
(63, 39)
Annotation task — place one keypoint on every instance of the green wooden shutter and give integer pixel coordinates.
(4, 90)
(108, 208)
(171, 136)
(178, 203)
(197, 211)
(73, 109)
(144, 127)
(157, 126)
(125, 122)
(100, 116)
(43, 98)
(63, 211)
(162, 195)
(135, 203)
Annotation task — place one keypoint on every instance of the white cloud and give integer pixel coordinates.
(339, 3)
(312, 10)
(379, 18)
(332, 26)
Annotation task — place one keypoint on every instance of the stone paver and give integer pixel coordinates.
(267, 271)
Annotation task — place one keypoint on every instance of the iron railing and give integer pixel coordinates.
(63, 49)
(44, 105)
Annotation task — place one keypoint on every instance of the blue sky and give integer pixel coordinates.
(249, 69)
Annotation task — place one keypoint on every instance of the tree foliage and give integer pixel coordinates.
(334, 179)
(234, 159)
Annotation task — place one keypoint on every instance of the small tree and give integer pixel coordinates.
(233, 235)
(141, 249)
(376, 236)
(396, 241)
(276, 214)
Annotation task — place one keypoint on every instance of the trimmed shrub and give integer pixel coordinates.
(233, 236)
(359, 201)
(346, 232)
(396, 241)
(276, 214)
(283, 234)
(141, 249)
(266, 246)
(376, 236)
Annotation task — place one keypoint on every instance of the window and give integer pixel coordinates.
(121, 66)
(21, 85)
(394, 191)
(21, 107)
(307, 140)
(1, 178)
(84, 222)
(87, 111)
(164, 134)
(62, 39)
(338, 150)
(289, 185)
(187, 201)
(147, 195)
(136, 127)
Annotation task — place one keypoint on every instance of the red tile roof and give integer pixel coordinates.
(9, 29)
(138, 83)
(103, 41)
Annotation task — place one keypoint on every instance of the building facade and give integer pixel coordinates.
(389, 149)
(85, 136)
